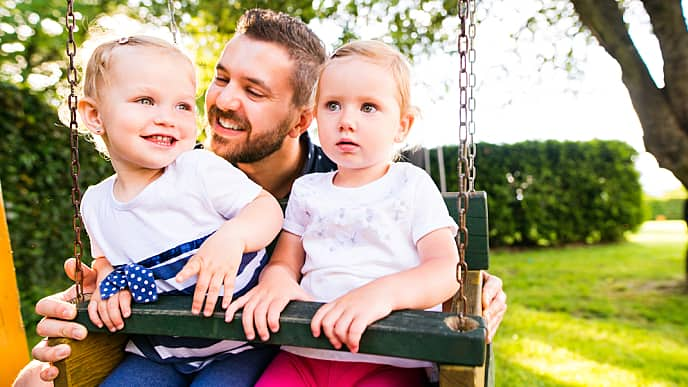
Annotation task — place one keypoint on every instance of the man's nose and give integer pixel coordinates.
(228, 98)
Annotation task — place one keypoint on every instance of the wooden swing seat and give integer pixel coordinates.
(411, 334)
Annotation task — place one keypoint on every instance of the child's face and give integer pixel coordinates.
(358, 114)
(147, 108)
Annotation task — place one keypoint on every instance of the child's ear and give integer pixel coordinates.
(405, 124)
(88, 110)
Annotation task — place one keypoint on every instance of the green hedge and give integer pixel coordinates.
(671, 209)
(35, 177)
(552, 193)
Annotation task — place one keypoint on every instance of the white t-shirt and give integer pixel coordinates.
(163, 226)
(352, 236)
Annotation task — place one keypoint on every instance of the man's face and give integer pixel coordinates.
(249, 100)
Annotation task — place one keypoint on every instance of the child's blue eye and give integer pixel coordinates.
(368, 108)
(145, 101)
(184, 106)
(332, 106)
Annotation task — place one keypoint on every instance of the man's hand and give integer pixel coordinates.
(494, 303)
(54, 309)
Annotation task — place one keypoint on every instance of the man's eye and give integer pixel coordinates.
(254, 92)
(368, 108)
(221, 80)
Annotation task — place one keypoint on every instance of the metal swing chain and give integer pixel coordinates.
(467, 150)
(173, 22)
(72, 74)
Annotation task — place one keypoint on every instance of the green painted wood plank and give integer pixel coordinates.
(410, 334)
(478, 250)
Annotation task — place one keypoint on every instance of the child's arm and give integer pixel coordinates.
(111, 311)
(217, 260)
(345, 319)
(279, 284)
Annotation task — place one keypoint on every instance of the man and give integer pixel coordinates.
(259, 107)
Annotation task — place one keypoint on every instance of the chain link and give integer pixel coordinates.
(465, 163)
(75, 168)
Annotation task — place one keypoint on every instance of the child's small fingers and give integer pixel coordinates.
(103, 312)
(340, 328)
(192, 267)
(211, 297)
(247, 321)
(114, 312)
(125, 303)
(356, 330)
(260, 321)
(93, 313)
(200, 293)
(316, 321)
(274, 311)
(235, 305)
(228, 291)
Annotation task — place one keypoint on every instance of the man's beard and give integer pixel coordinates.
(255, 148)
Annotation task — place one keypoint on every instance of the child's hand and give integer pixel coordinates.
(264, 303)
(216, 263)
(110, 312)
(345, 319)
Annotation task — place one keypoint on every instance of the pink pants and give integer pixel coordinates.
(289, 370)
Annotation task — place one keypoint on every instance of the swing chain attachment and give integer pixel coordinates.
(465, 163)
(70, 22)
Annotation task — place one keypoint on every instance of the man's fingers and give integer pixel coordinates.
(89, 275)
(49, 373)
(57, 328)
(492, 287)
(54, 307)
(45, 353)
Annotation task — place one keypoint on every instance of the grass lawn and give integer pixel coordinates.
(607, 315)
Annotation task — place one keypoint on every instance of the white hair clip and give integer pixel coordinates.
(123, 40)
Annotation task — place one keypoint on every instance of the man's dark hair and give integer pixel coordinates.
(303, 46)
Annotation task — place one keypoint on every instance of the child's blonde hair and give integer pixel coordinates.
(100, 60)
(384, 55)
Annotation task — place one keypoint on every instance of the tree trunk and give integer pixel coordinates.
(663, 112)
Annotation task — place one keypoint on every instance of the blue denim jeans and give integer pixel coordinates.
(240, 370)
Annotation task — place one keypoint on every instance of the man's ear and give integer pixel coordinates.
(88, 110)
(405, 125)
(303, 121)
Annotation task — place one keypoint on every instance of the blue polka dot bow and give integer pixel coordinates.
(134, 277)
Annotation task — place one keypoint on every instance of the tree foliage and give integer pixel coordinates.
(36, 181)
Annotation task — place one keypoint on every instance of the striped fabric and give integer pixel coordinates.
(189, 354)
